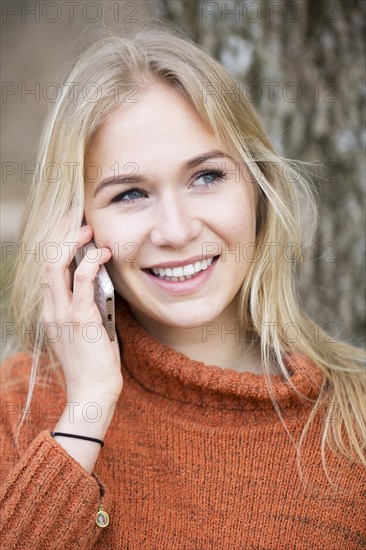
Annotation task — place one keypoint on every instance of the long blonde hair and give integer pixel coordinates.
(287, 211)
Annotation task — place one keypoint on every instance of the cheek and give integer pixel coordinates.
(125, 251)
(245, 224)
(125, 237)
(116, 233)
(124, 260)
(235, 220)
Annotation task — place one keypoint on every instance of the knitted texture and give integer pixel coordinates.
(195, 457)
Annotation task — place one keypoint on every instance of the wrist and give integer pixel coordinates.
(76, 436)
(89, 418)
(105, 399)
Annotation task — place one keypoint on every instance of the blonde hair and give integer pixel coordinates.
(287, 212)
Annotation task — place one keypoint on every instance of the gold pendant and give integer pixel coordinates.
(102, 518)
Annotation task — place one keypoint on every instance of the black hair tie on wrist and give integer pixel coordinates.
(79, 437)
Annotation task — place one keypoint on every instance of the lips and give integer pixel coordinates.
(181, 285)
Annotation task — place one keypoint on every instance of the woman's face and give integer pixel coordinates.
(166, 206)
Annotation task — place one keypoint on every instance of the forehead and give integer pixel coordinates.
(158, 118)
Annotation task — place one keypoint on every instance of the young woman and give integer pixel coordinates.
(215, 419)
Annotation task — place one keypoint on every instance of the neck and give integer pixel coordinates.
(221, 342)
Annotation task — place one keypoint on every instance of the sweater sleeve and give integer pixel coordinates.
(48, 500)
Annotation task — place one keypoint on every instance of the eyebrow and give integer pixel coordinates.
(138, 179)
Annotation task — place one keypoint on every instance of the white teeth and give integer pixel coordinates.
(182, 273)
(188, 269)
(177, 271)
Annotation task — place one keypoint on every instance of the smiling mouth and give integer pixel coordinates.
(181, 273)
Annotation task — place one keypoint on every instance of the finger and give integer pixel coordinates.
(60, 281)
(84, 277)
(70, 274)
(68, 249)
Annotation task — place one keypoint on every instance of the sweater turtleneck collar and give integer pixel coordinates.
(171, 374)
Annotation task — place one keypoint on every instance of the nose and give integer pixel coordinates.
(175, 223)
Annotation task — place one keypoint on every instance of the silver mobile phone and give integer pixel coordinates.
(103, 291)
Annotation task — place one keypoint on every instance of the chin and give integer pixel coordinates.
(185, 317)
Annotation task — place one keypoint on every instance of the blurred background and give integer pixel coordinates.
(300, 62)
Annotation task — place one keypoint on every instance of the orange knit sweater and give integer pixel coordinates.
(195, 458)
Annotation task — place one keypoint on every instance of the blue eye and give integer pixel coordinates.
(129, 196)
(214, 177)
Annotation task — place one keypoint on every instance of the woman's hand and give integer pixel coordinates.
(90, 361)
